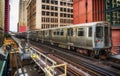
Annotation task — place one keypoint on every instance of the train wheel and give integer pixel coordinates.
(92, 54)
(89, 53)
(80, 51)
(72, 48)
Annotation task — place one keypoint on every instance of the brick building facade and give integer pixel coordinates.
(88, 11)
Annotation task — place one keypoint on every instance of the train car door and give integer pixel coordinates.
(69, 34)
(107, 36)
(50, 34)
(99, 40)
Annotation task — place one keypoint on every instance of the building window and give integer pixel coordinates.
(47, 13)
(68, 15)
(52, 7)
(71, 16)
(61, 3)
(61, 9)
(71, 10)
(64, 3)
(64, 15)
(64, 9)
(56, 14)
(61, 14)
(56, 8)
(52, 13)
(56, 2)
(43, 6)
(52, 1)
(61, 32)
(47, 7)
(47, 1)
(68, 10)
(43, 12)
(43, 1)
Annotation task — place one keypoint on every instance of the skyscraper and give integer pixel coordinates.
(42, 14)
(112, 15)
(22, 24)
(2, 11)
(7, 16)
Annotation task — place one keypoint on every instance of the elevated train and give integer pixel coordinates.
(92, 39)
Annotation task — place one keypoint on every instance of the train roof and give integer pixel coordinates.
(76, 25)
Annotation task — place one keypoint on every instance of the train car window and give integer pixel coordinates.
(70, 31)
(80, 32)
(99, 31)
(43, 32)
(90, 32)
(54, 32)
(40, 33)
(62, 32)
(46, 33)
(58, 32)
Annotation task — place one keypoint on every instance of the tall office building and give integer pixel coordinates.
(112, 15)
(7, 16)
(88, 11)
(42, 14)
(2, 10)
(22, 24)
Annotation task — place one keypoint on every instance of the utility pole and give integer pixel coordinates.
(28, 36)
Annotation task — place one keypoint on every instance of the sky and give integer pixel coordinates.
(14, 5)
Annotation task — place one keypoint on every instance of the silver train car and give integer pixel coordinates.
(92, 39)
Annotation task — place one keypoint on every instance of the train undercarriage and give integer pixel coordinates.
(95, 53)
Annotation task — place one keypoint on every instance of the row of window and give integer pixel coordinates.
(55, 2)
(66, 4)
(113, 18)
(66, 21)
(44, 26)
(44, 19)
(66, 15)
(66, 10)
(47, 7)
(62, 25)
(112, 3)
(70, 32)
(47, 13)
(55, 20)
(60, 32)
(52, 1)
